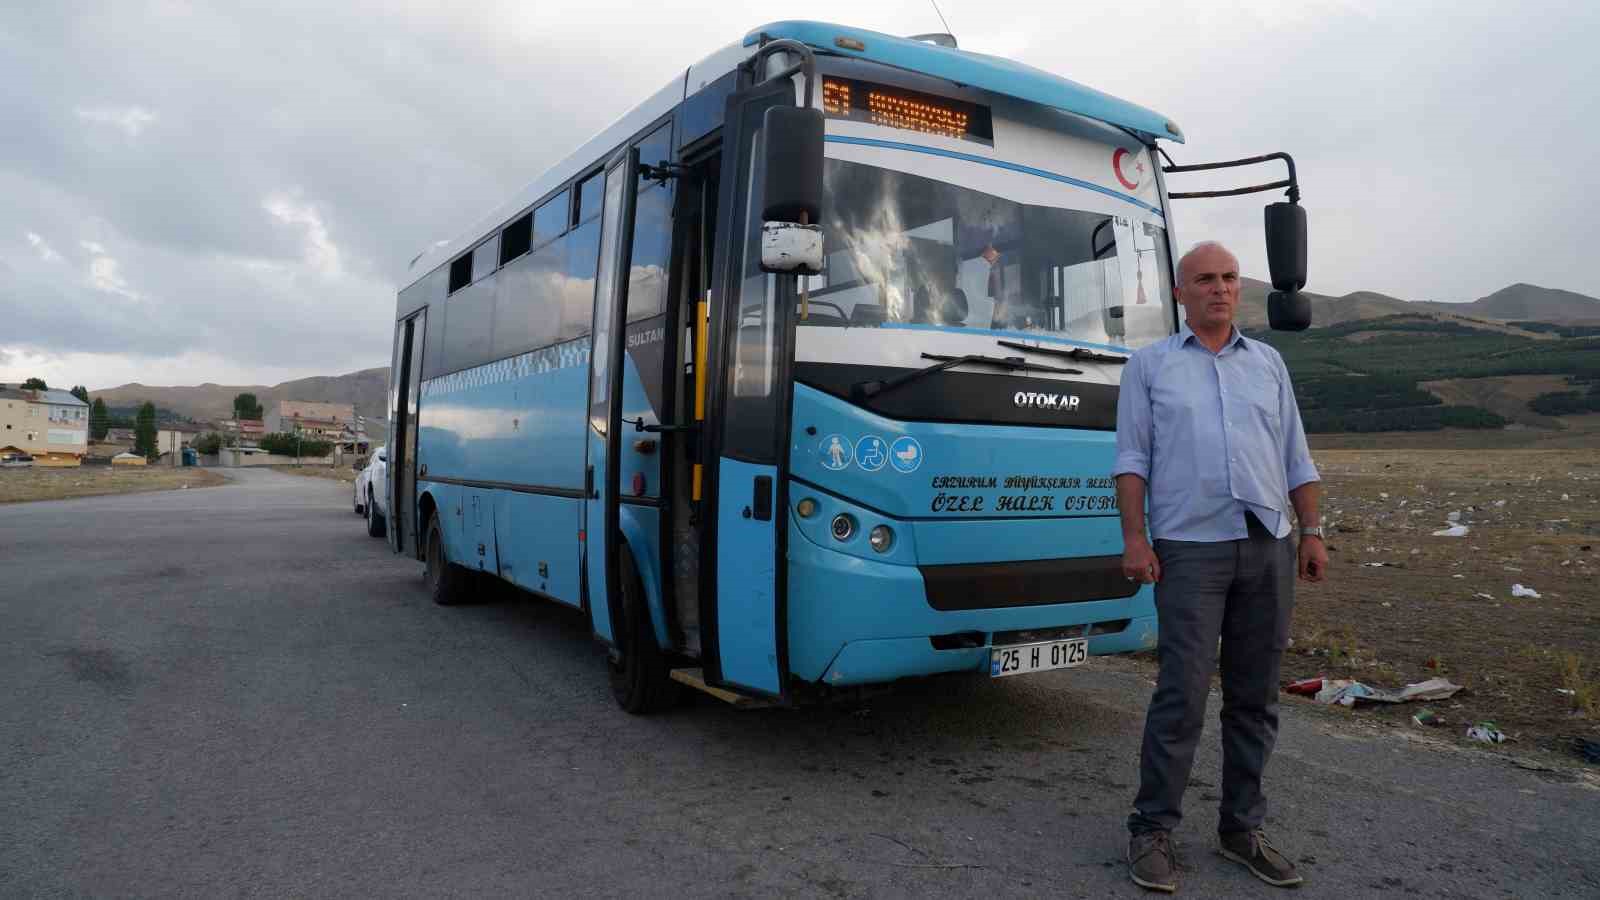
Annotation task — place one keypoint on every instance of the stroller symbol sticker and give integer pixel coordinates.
(835, 452)
(871, 453)
(905, 454)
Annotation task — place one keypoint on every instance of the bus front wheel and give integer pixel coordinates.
(640, 679)
(446, 581)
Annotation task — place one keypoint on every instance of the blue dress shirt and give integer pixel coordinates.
(1213, 435)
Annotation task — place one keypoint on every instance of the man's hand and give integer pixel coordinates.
(1139, 562)
(1313, 559)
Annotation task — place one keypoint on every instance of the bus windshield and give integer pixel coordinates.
(904, 249)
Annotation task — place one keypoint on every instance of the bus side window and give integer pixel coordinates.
(589, 198)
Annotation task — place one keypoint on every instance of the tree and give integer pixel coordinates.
(246, 407)
(208, 443)
(288, 444)
(144, 433)
(99, 419)
(35, 384)
(81, 392)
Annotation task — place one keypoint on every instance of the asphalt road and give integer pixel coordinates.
(234, 691)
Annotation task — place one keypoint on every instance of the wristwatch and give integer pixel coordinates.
(1311, 532)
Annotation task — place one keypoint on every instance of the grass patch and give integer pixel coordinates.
(44, 483)
(1585, 686)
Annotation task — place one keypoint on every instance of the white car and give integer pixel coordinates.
(371, 490)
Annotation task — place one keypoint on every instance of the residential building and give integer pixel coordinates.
(336, 422)
(173, 436)
(246, 432)
(51, 426)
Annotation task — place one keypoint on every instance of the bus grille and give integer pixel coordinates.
(1034, 582)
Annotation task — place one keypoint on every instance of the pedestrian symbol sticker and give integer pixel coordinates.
(871, 453)
(905, 454)
(835, 452)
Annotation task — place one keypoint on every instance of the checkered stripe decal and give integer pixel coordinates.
(534, 362)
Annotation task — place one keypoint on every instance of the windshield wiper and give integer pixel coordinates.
(864, 390)
(1078, 353)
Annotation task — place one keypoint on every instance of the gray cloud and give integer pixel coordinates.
(257, 178)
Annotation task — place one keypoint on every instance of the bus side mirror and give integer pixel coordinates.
(791, 141)
(1286, 245)
(1287, 308)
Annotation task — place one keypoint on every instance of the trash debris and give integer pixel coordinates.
(1305, 686)
(1386, 604)
(1487, 733)
(1566, 692)
(1484, 596)
(1458, 576)
(1589, 750)
(1383, 495)
(1348, 693)
(1499, 503)
(1518, 590)
(1427, 716)
(1453, 530)
(1453, 517)
(1565, 497)
(1378, 565)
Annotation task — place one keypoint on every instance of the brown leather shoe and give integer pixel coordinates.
(1150, 861)
(1252, 850)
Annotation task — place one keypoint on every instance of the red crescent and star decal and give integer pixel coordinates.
(1119, 159)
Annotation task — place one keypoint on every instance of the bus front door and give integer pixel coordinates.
(742, 619)
(404, 381)
(601, 488)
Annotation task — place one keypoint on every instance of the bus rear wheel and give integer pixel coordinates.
(641, 679)
(446, 581)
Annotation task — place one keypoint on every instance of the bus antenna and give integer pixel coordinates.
(941, 18)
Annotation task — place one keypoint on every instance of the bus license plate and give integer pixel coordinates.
(1020, 659)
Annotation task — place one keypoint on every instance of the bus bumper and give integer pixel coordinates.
(854, 621)
(886, 659)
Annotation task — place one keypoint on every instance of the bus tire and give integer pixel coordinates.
(376, 525)
(640, 680)
(446, 581)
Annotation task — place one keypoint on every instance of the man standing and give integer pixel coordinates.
(1208, 429)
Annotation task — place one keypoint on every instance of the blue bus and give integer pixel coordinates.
(802, 376)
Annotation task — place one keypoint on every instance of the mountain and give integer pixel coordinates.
(367, 390)
(1519, 302)
(1325, 310)
(1529, 302)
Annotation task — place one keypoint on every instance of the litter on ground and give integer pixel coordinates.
(1349, 693)
(1427, 716)
(1518, 590)
(1455, 530)
(1487, 733)
(1305, 686)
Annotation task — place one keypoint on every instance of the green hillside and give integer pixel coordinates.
(1365, 375)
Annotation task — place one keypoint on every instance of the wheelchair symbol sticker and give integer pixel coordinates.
(835, 452)
(871, 453)
(905, 454)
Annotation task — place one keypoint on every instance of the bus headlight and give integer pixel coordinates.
(843, 527)
(807, 508)
(881, 538)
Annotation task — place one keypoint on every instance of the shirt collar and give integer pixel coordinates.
(1235, 337)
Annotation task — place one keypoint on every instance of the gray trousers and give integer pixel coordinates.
(1243, 592)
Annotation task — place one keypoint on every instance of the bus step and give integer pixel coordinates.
(695, 678)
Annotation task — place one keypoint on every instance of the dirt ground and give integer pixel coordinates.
(43, 483)
(1402, 605)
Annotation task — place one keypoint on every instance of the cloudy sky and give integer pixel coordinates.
(230, 192)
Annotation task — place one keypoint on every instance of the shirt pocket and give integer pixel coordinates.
(1263, 399)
